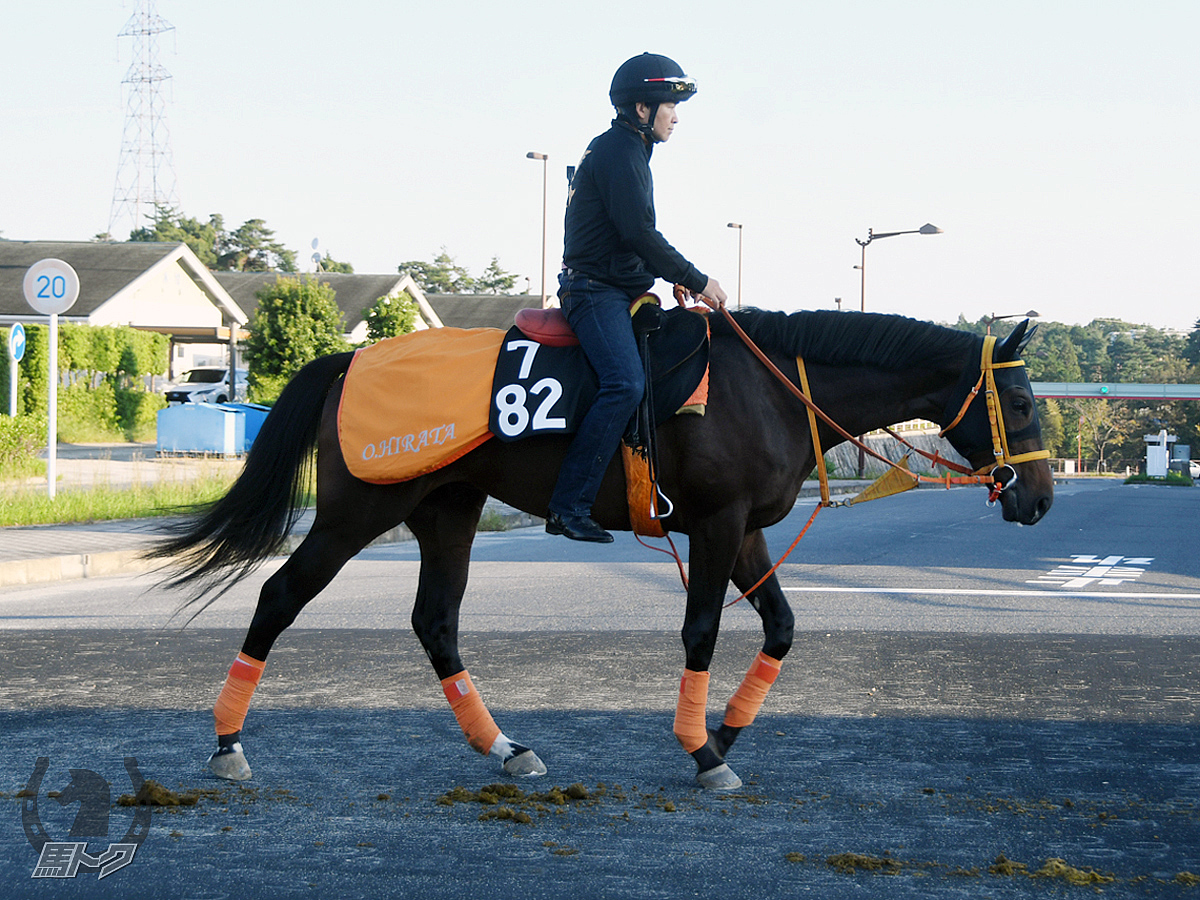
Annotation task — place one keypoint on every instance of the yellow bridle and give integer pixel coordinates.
(987, 380)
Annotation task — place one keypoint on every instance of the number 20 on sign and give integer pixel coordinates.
(51, 287)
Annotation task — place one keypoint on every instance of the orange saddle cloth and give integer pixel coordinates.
(435, 385)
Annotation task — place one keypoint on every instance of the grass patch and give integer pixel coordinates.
(491, 520)
(1179, 479)
(18, 468)
(20, 439)
(32, 506)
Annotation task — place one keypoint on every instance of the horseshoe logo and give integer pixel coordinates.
(31, 821)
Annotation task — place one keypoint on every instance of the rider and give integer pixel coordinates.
(612, 254)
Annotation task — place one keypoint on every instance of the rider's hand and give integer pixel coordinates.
(713, 291)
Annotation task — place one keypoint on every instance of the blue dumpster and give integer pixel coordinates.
(202, 428)
(255, 414)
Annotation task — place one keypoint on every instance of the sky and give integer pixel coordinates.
(1055, 142)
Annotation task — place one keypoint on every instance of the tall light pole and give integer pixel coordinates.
(872, 236)
(545, 163)
(993, 318)
(739, 231)
(862, 297)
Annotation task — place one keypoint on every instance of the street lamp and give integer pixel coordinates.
(872, 236)
(993, 318)
(739, 231)
(544, 158)
(862, 297)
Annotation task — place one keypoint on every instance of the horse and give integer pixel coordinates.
(730, 473)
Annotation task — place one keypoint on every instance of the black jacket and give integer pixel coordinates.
(610, 231)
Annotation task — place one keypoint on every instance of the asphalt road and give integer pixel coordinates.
(961, 689)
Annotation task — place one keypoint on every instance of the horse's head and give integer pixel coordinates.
(992, 421)
(84, 785)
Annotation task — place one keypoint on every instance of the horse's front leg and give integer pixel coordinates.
(444, 525)
(714, 549)
(753, 562)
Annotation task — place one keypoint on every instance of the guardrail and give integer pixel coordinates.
(1114, 391)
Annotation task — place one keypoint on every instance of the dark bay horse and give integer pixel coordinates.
(730, 474)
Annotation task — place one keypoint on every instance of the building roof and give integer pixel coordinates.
(353, 293)
(105, 269)
(481, 310)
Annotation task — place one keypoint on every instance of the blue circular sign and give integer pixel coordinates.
(16, 342)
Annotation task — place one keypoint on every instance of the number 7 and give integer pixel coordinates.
(530, 348)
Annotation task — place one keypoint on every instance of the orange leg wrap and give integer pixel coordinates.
(234, 700)
(748, 699)
(690, 725)
(473, 717)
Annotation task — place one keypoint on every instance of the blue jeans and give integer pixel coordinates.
(599, 314)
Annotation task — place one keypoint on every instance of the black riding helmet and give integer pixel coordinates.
(651, 79)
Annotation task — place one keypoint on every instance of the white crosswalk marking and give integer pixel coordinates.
(1088, 569)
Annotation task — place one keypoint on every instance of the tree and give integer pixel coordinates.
(1052, 355)
(1051, 420)
(296, 321)
(442, 276)
(1192, 347)
(169, 225)
(390, 316)
(495, 280)
(329, 264)
(1102, 423)
(251, 249)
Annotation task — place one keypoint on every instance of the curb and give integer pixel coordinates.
(73, 567)
(77, 566)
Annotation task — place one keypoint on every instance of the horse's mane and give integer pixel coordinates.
(850, 338)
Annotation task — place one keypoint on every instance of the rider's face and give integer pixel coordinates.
(664, 119)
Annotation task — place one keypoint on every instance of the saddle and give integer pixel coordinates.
(463, 387)
(674, 350)
(674, 346)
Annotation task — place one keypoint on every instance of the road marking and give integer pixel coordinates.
(966, 592)
(1088, 569)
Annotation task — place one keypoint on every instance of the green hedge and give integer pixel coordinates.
(101, 394)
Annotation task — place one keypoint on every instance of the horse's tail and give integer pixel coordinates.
(230, 537)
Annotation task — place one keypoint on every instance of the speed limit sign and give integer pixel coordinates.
(51, 286)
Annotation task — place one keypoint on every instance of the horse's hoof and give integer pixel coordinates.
(230, 763)
(722, 778)
(526, 764)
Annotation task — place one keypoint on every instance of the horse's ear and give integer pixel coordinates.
(1014, 345)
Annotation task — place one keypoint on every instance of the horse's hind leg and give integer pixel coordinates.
(444, 524)
(753, 562)
(305, 574)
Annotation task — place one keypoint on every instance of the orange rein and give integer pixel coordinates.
(814, 411)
